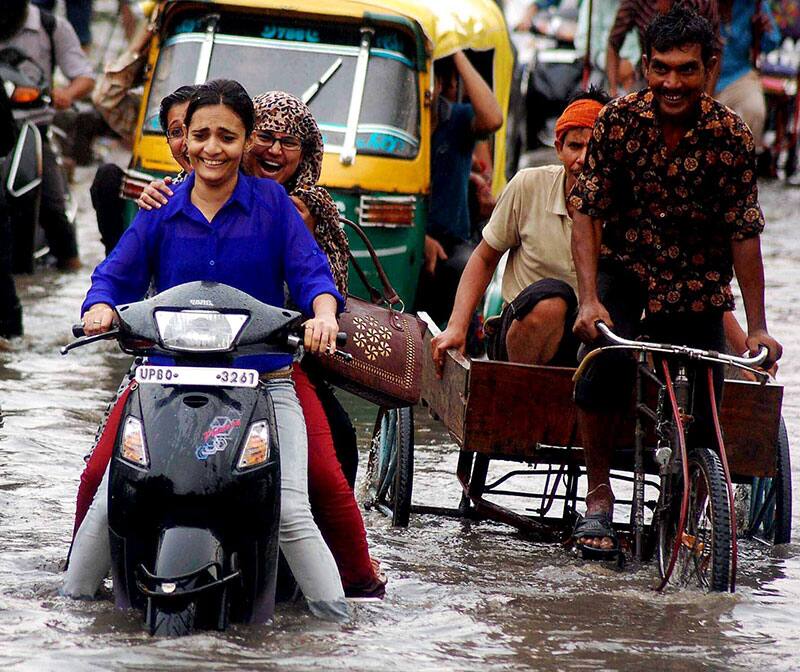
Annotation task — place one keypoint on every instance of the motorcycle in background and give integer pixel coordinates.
(549, 71)
(21, 170)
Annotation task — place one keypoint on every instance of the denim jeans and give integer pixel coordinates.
(300, 540)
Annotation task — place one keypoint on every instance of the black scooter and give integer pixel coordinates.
(194, 490)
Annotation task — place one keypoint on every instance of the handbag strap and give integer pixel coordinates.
(390, 295)
(374, 295)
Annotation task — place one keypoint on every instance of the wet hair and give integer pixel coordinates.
(225, 92)
(12, 18)
(178, 96)
(594, 93)
(680, 27)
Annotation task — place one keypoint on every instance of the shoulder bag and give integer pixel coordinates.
(382, 360)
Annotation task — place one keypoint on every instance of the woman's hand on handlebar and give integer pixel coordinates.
(320, 334)
(589, 313)
(155, 194)
(98, 319)
(322, 329)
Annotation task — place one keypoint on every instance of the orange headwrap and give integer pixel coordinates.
(580, 114)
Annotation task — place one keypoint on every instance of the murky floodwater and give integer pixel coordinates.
(461, 595)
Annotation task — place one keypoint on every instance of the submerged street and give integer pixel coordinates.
(461, 596)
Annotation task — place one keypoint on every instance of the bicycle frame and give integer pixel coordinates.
(671, 415)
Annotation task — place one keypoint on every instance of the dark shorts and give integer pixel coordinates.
(525, 302)
(607, 384)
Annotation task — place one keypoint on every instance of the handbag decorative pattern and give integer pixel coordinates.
(371, 337)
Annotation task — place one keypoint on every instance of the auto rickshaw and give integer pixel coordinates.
(365, 68)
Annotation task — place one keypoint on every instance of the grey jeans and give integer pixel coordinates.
(309, 558)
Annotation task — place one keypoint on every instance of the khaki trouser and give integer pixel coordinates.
(746, 97)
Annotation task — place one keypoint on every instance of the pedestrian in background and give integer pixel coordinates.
(79, 14)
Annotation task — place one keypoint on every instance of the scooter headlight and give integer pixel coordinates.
(255, 451)
(199, 330)
(134, 449)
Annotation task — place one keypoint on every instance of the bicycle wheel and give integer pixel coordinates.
(769, 514)
(704, 554)
(390, 470)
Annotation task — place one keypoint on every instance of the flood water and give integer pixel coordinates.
(462, 595)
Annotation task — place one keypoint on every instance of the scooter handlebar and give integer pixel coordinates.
(77, 330)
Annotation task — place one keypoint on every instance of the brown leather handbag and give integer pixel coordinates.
(383, 360)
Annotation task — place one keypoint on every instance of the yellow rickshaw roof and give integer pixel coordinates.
(449, 25)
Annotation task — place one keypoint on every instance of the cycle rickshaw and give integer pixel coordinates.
(682, 507)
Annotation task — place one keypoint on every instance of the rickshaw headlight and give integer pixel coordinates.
(255, 451)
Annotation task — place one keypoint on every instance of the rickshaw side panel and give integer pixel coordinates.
(750, 418)
(446, 397)
(511, 408)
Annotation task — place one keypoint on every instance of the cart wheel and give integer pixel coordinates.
(390, 470)
(704, 553)
(770, 509)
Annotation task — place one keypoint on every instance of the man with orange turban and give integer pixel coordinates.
(532, 223)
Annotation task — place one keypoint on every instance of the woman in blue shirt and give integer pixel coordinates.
(227, 227)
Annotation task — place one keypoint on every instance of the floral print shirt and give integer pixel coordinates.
(669, 216)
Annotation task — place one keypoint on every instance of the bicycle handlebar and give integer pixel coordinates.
(694, 353)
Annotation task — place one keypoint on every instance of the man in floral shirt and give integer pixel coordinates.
(668, 203)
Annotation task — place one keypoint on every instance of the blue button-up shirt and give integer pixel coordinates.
(737, 38)
(256, 242)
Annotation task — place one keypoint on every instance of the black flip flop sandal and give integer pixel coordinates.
(596, 525)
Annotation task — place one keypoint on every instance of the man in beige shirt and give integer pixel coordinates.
(532, 222)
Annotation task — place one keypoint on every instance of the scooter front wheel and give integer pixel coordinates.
(173, 623)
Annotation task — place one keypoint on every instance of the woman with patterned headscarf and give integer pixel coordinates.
(287, 147)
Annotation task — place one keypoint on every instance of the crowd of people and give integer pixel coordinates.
(642, 223)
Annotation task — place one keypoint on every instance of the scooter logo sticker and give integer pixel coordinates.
(217, 436)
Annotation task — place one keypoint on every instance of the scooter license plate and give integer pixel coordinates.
(196, 375)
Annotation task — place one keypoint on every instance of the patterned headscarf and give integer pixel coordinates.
(280, 112)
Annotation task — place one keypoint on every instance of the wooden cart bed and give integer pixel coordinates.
(526, 413)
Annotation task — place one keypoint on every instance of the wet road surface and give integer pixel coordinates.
(461, 596)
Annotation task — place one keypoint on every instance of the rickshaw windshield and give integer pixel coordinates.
(293, 60)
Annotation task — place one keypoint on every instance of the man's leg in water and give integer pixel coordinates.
(603, 394)
(598, 430)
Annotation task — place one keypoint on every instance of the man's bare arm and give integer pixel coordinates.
(749, 268)
(77, 89)
(586, 235)
(474, 281)
(612, 70)
(488, 115)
